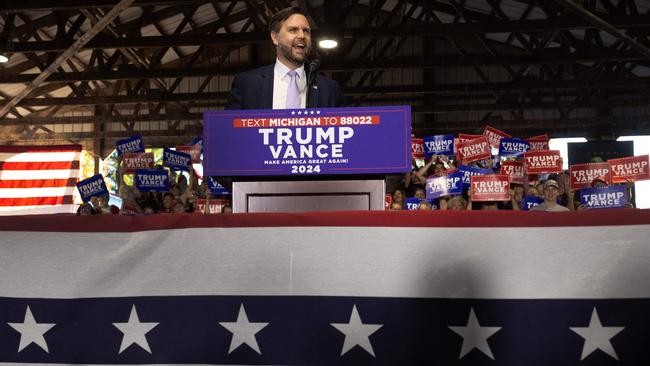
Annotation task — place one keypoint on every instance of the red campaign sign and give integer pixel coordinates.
(474, 150)
(583, 174)
(134, 161)
(417, 148)
(388, 202)
(513, 169)
(538, 143)
(634, 168)
(462, 137)
(216, 204)
(193, 150)
(491, 187)
(494, 136)
(548, 161)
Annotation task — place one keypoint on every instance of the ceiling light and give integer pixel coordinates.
(3, 59)
(327, 44)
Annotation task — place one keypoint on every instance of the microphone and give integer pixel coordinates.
(314, 65)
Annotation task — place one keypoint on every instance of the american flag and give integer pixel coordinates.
(38, 179)
(346, 288)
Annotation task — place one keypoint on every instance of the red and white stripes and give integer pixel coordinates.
(38, 179)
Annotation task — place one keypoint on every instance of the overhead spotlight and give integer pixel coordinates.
(3, 59)
(327, 43)
(331, 29)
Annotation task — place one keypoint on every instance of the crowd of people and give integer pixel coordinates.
(183, 196)
(554, 189)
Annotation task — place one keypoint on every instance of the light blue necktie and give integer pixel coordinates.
(293, 93)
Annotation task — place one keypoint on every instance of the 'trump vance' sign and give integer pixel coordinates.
(152, 180)
(634, 168)
(131, 144)
(493, 187)
(604, 197)
(92, 187)
(365, 140)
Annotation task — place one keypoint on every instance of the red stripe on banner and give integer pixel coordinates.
(52, 148)
(39, 165)
(35, 201)
(422, 219)
(38, 183)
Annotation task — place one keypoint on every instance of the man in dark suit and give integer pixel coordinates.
(287, 83)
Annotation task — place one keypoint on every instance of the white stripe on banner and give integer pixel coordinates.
(491, 263)
(38, 174)
(27, 157)
(38, 210)
(36, 192)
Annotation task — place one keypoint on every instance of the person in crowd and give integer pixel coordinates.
(399, 198)
(85, 209)
(425, 205)
(227, 209)
(551, 193)
(455, 203)
(412, 183)
(168, 202)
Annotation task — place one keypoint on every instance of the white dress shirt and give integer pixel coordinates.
(281, 85)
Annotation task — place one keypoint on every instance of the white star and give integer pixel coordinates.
(243, 331)
(299, 112)
(134, 332)
(293, 112)
(597, 337)
(475, 336)
(31, 331)
(311, 112)
(317, 112)
(356, 333)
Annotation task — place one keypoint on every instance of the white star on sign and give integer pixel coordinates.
(356, 333)
(299, 112)
(134, 332)
(475, 336)
(243, 331)
(597, 337)
(293, 112)
(317, 112)
(31, 331)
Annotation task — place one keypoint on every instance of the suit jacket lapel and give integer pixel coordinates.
(312, 95)
(266, 88)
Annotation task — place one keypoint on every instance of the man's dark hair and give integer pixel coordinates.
(278, 18)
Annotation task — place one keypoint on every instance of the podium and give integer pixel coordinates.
(321, 159)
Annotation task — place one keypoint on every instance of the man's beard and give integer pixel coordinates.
(286, 52)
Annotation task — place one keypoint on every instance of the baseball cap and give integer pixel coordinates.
(550, 183)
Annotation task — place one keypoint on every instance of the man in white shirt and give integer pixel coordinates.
(551, 192)
(284, 84)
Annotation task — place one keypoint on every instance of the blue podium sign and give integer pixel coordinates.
(363, 140)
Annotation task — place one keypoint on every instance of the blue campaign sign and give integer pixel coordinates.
(216, 188)
(604, 197)
(363, 140)
(152, 180)
(129, 145)
(513, 147)
(439, 145)
(444, 186)
(92, 187)
(177, 160)
(530, 201)
(412, 203)
(469, 171)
